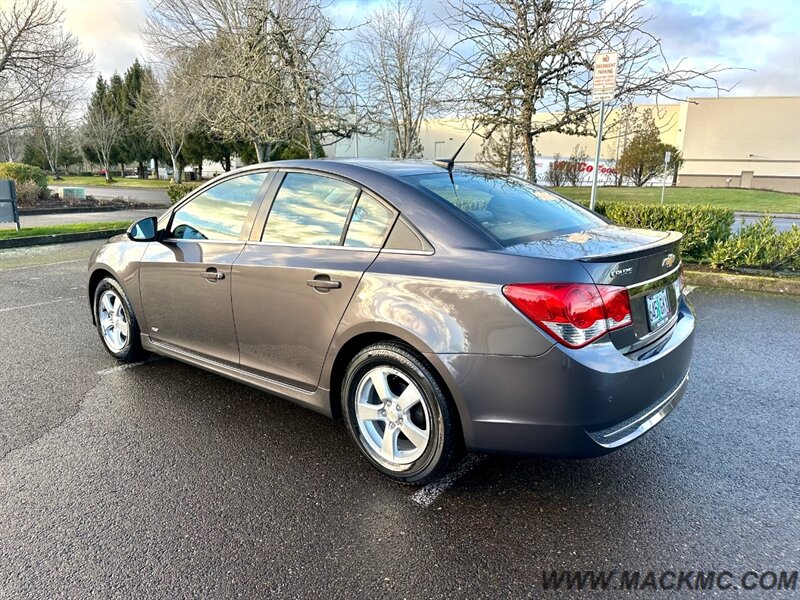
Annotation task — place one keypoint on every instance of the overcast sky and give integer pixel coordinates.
(761, 35)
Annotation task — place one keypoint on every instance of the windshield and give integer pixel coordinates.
(511, 210)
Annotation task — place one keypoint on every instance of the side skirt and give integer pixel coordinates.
(317, 400)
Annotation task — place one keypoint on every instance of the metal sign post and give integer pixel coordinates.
(596, 169)
(604, 86)
(667, 156)
(8, 202)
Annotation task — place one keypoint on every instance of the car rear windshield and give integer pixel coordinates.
(513, 211)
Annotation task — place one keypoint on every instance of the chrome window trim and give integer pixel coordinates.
(318, 246)
(399, 251)
(165, 240)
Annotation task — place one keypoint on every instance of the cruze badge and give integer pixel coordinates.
(618, 272)
(668, 261)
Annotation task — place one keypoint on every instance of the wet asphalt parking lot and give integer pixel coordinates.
(163, 481)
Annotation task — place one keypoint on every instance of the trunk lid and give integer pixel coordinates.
(646, 262)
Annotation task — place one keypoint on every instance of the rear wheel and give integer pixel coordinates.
(116, 322)
(398, 414)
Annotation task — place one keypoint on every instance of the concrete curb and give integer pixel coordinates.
(27, 212)
(751, 283)
(749, 213)
(32, 212)
(59, 238)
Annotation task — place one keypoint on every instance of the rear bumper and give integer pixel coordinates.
(571, 403)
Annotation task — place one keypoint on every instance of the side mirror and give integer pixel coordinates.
(145, 230)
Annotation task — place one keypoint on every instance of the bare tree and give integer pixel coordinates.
(556, 174)
(405, 69)
(501, 151)
(306, 45)
(101, 129)
(171, 115)
(242, 100)
(574, 172)
(38, 60)
(53, 126)
(11, 144)
(267, 70)
(521, 58)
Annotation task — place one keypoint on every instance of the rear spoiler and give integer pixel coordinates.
(672, 238)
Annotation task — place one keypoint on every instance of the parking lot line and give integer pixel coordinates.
(427, 495)
(689, 289)
(63, 262)
(127, 366)
(35, 304)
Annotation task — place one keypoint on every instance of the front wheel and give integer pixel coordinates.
(398, 414)
(116, 323)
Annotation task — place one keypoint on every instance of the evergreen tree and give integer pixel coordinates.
(139, 144)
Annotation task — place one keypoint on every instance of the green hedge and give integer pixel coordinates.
(707, 234)
(176, 191)
(702, 226)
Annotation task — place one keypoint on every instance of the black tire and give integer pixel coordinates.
(444, 436)
(132, 349)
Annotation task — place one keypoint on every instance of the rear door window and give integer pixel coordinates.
(369, 224)
(509, 209)
(309, 210)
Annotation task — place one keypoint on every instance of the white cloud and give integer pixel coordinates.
(762, 37)
(109, 29)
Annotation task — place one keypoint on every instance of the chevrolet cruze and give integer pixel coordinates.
(434, 309)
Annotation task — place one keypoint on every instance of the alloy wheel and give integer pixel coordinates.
(113, 320)
(392, 416)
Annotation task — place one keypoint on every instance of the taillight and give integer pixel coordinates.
(575, 314)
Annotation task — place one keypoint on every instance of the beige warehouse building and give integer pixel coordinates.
(741, 142)
(725, 142)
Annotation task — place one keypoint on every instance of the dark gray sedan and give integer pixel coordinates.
(434, 310)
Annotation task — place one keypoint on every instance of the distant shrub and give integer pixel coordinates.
(29, 194)
(20, 172)
(759, 246)
(31, 182)
(176, 191)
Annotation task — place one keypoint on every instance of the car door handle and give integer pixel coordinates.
(212, 274)
(324, 284)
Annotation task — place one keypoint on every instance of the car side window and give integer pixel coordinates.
(220, 212)
(369, 224)
(309, 209)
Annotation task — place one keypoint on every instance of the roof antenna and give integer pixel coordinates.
(449, 163)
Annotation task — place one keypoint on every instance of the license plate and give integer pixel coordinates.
(657, 309)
